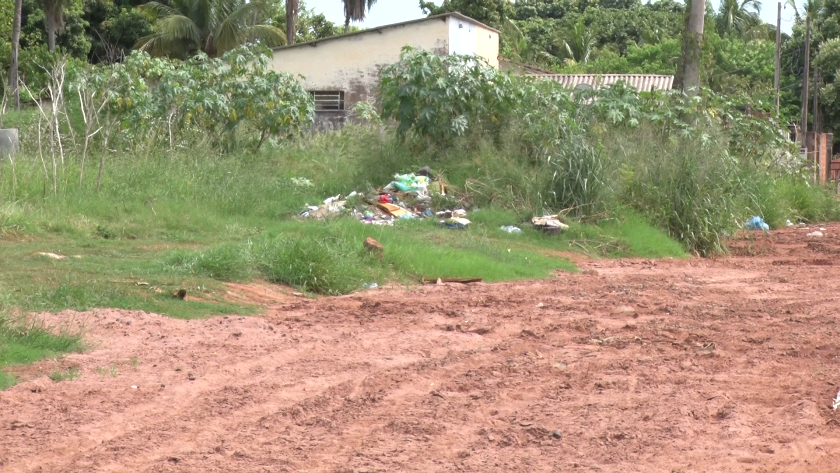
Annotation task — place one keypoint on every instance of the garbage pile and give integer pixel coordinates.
(408, 196)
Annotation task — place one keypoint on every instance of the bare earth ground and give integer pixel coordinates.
(654, 366)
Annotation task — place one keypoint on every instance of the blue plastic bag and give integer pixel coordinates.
(757, 223)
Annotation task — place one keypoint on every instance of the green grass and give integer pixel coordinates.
(7, 380)
(190, 218)
(23, 343)
(66, 375)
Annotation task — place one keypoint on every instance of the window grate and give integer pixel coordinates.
(328, 100)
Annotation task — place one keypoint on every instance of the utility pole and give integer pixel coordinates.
(806, 81)
(776, 78)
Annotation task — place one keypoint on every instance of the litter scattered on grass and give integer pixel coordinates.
(757, 223)
(50, 255)
(549, 224)
(407, 196)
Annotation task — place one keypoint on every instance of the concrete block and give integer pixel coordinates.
(9, 141)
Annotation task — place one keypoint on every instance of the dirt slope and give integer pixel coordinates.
(655, 366)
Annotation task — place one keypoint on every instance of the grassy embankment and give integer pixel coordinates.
(193, 219)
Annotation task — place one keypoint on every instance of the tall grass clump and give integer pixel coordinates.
(322, 262)
(689, 187)
(696, 167)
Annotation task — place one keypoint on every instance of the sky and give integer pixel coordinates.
(385, 12)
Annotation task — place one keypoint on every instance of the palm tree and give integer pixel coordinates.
(810, 9)
(184, 27)
(53, 20)
(578, 42)
(292, 10)
(13, 67)
(355, 10)
(738, 15)
(521, 49)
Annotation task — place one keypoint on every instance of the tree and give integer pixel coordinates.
(292, 10)
(519, 48)
(578, 42)
(13, 69)
(738, 16)
(184, 27)
(53, 20)
(688, 74)
(355, 10)
(490, 12)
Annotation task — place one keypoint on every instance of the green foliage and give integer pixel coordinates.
(184, 27)
(490, 12)
(443, 96)
(218, 96)
(309, 25)
(738, 16)
(24, 342)
(685, 174)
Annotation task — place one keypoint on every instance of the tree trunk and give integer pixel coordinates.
(805, 83)
(346, 24)
(49, 25)
(688, 74)
(14, 84)
(291, 15)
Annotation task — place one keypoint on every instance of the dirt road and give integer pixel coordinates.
(656, 366)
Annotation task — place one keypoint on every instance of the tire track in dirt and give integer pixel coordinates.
(672, 365)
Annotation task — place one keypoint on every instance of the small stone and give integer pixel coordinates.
(128, 322)
(767, 450)
(237, 334)
(190, 376)
(373, 246)
(557, 434)
(814, 235)
(483, 330)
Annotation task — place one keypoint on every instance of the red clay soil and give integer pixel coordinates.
(690, 365)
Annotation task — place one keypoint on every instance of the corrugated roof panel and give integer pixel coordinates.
(641, 82)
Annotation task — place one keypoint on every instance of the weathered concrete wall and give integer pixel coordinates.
(352, 63)
(467, 37)
(9, 141)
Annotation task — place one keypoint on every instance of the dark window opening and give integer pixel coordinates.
(328, 100)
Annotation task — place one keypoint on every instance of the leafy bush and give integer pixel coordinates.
(443, 96)
(212, 97)
(685, 163)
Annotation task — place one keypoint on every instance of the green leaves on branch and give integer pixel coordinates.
(443, 96)
(161, 99)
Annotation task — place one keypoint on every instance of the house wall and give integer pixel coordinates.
(352, 63)
(487, 45)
